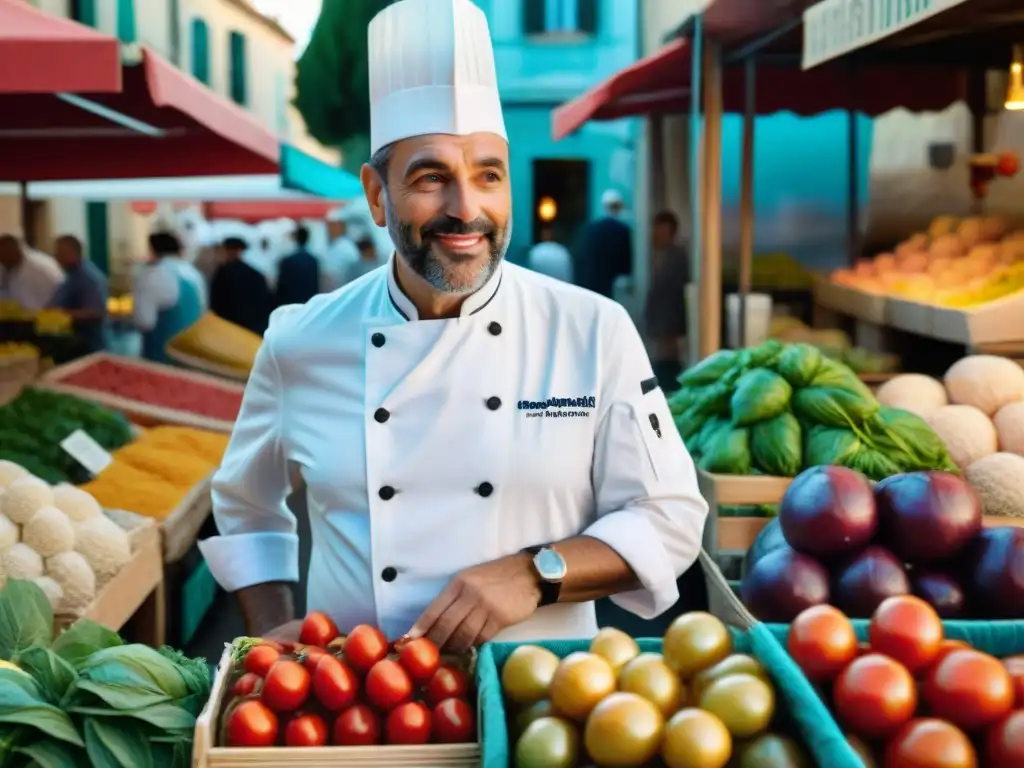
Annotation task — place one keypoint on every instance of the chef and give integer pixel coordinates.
(485, 450)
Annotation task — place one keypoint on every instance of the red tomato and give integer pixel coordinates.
(310, 657)
(388, 685)
(420, 658)
(365, 647)
(246, 685)
(874, 696)
(946, 647)
(907, 629)
(926, 742)
(969, 688)
(1015, 666)
(251, 724)
(317, 629)
(260, 659)
(447, 683)
(279, 647)
(357, 726)
(306, 730)
(408, 723)
(334, 684)
(822, 642)
(454, 722)
(286, 687)
(1004, 745)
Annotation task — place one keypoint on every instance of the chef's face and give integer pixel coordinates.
(446, 201)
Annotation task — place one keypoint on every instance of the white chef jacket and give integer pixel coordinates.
(335, 262)
(431, 446)
(551, 259)
(156, 289)
(33, 282)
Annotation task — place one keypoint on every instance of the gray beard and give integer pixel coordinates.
(421, 259)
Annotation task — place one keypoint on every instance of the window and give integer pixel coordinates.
(126, 20)
(84, 11)
(200, 51)
(238, 68)
(544, 17)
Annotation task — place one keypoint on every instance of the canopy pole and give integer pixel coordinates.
(696, 140)
(853, 163)
(747, 193)
(710, 325)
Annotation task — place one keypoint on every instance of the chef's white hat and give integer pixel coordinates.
(431, 71)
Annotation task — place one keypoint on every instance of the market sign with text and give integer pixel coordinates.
(835, 27)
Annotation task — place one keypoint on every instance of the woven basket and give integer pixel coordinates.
(16, 373)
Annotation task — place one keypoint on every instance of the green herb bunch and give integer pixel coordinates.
(87, 698)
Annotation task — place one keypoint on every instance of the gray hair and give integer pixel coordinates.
(380, 160)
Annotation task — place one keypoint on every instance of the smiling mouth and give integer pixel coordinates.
(460, 243)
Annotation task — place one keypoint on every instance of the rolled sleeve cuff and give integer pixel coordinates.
(245, 559)
(633, 537)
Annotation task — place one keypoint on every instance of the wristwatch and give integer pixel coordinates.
(551, 569)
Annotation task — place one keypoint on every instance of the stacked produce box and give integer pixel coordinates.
(956, 263)
(360, 699)
(150, 393)
(216, 346)
(912, 692)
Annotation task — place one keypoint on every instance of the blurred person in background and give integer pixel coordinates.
(298, 275)
(82, 295)
(27, 277)
(165, 301)
(549, 257)
(604, 250)
(239, 292)
(665, 308)
(341, 252)
(368, 261)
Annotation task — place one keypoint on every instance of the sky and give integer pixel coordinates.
(296, 16)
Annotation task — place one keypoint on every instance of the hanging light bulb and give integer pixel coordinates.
(1015, 86)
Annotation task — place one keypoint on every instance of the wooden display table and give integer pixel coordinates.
(733, 535)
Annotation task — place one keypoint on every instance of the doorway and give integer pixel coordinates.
(567, 184)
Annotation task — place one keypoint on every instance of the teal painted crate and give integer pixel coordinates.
(999, 638)
(816, 726)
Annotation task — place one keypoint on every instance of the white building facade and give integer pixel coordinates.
(226, 44)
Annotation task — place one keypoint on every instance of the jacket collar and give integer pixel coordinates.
(473, 303)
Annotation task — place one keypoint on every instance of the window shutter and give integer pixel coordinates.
(97, 235)
(587, 16)
(126, 20)
(534, 12)
(84, 11)
(238, 68)
(201, 51)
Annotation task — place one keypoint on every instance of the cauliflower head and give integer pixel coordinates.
(24, 497)
(49, 532)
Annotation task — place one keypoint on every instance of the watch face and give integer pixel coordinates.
(550, 565)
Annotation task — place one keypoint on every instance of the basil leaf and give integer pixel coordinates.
(82, 639)
(22, 704)
(26, 618)
(54, 675)
(115, 744)
(52, 754)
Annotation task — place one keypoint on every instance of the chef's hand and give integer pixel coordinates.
(286, 633)
(479, 602)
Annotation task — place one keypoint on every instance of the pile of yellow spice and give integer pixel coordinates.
(152, 475)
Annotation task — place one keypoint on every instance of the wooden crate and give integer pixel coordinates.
(912, 316)
(136, 592)
(141, 413)
(180, 529)
(207, 755)
(205, 366)
(843, 300)
(727, 535)
(994, 322)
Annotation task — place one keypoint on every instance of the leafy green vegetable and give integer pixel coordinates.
(89, 699)
(776, 445)
(762, 356)
(834, 375)
(799, 364)
(711, 429)
(26, 618)
(760, 395)
(907, 439)
(832, 407)
(728, 453)
(875, 464)
(709, 370)
(826, 445)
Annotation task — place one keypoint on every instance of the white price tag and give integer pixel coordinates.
(86, 451)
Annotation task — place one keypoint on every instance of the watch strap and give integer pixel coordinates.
(549, 590)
